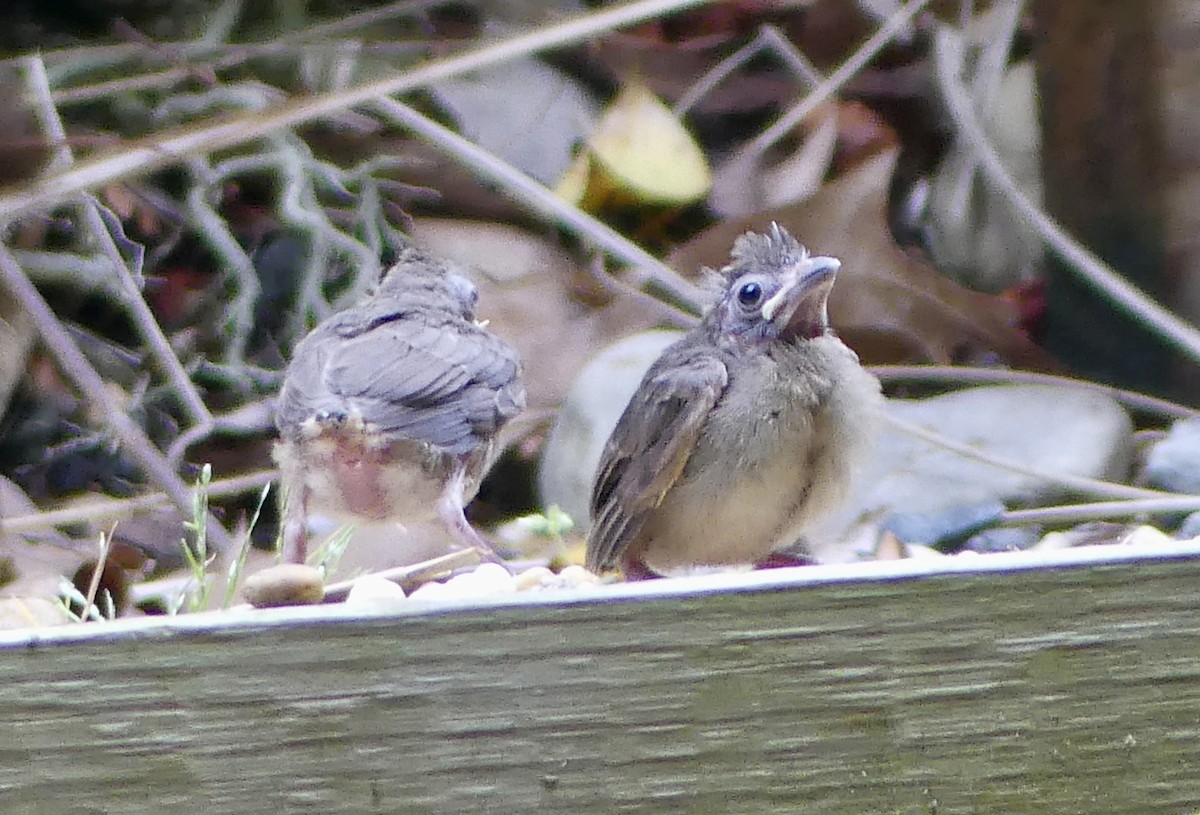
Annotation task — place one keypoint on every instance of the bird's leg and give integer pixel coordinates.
(295, 528)
(450, 513)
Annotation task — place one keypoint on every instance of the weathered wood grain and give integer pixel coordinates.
(969, 685)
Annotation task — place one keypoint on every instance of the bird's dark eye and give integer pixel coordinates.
(749, 294)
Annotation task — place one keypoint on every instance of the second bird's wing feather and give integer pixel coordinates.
(418, 376)
(650, 446)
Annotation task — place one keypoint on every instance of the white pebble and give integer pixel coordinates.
(485, 579)
(1147, 535)
(495, 574)
(576, 576)
(429, 591)
(538, 577)
(373, 591)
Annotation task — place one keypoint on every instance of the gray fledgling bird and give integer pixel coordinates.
(744, 432)
(390, 409)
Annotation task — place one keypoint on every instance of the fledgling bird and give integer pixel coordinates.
(744, 432)
(389, 410)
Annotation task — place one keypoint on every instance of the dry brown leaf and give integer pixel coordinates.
(836, 136)
(750, 181)
(36, 561)
(889, 305)
(17, 335)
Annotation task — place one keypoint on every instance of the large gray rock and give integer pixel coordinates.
(1057, 430)
(588, 416)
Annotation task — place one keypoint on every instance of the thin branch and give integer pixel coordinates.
(79, 371)
(91, 510)
(957, 375)
(1078, 513)
(131, 296)
(827, 89)
(616, 286)
(175, 146)
(541, 200)
(247, 419)
(222, 55)
(1093, 271)
(1079, 484)
(409, 577)
(97, 573)
(768, 38)
(239, 307)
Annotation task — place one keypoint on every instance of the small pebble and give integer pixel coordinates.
(916, 550)
(1174, 463)
(539, 577)
(492, 578)
(288, 584)
(1089, 534)
(429, 591)
(1003, 539)
(373, 591)
(1190, 528)
(1147, 535)
(485, 579)
(575, 576)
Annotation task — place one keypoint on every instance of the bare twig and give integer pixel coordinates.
(80, 372)
(409, 577)
(1093, 271)
(613, 285)
(239, 307)
(542, 200)
(222, 55)
(837, 79)
(247, 419)
(130, 291)
(97, 573)
(173, 147)
(963, 375)
(768, 38)
(1077, 513)
(120, 508)
(1085, 486)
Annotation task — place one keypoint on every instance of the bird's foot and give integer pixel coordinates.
(450, 513)
(783, 560)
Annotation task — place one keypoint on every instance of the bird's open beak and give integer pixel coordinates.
(798, 309)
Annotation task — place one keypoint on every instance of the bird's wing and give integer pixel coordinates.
(446, 382)
(650, 446)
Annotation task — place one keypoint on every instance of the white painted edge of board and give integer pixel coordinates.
(766, 580)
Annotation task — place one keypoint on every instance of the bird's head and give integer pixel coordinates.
(431, 281)
(773, 290)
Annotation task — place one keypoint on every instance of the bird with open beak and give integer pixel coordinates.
(743, 433)
(389, 410)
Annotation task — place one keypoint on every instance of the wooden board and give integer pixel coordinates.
(1067, 683)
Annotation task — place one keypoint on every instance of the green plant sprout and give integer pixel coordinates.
(69, 595)
(235, 568)
(197, 555)
(330, 552)
(552, 525)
